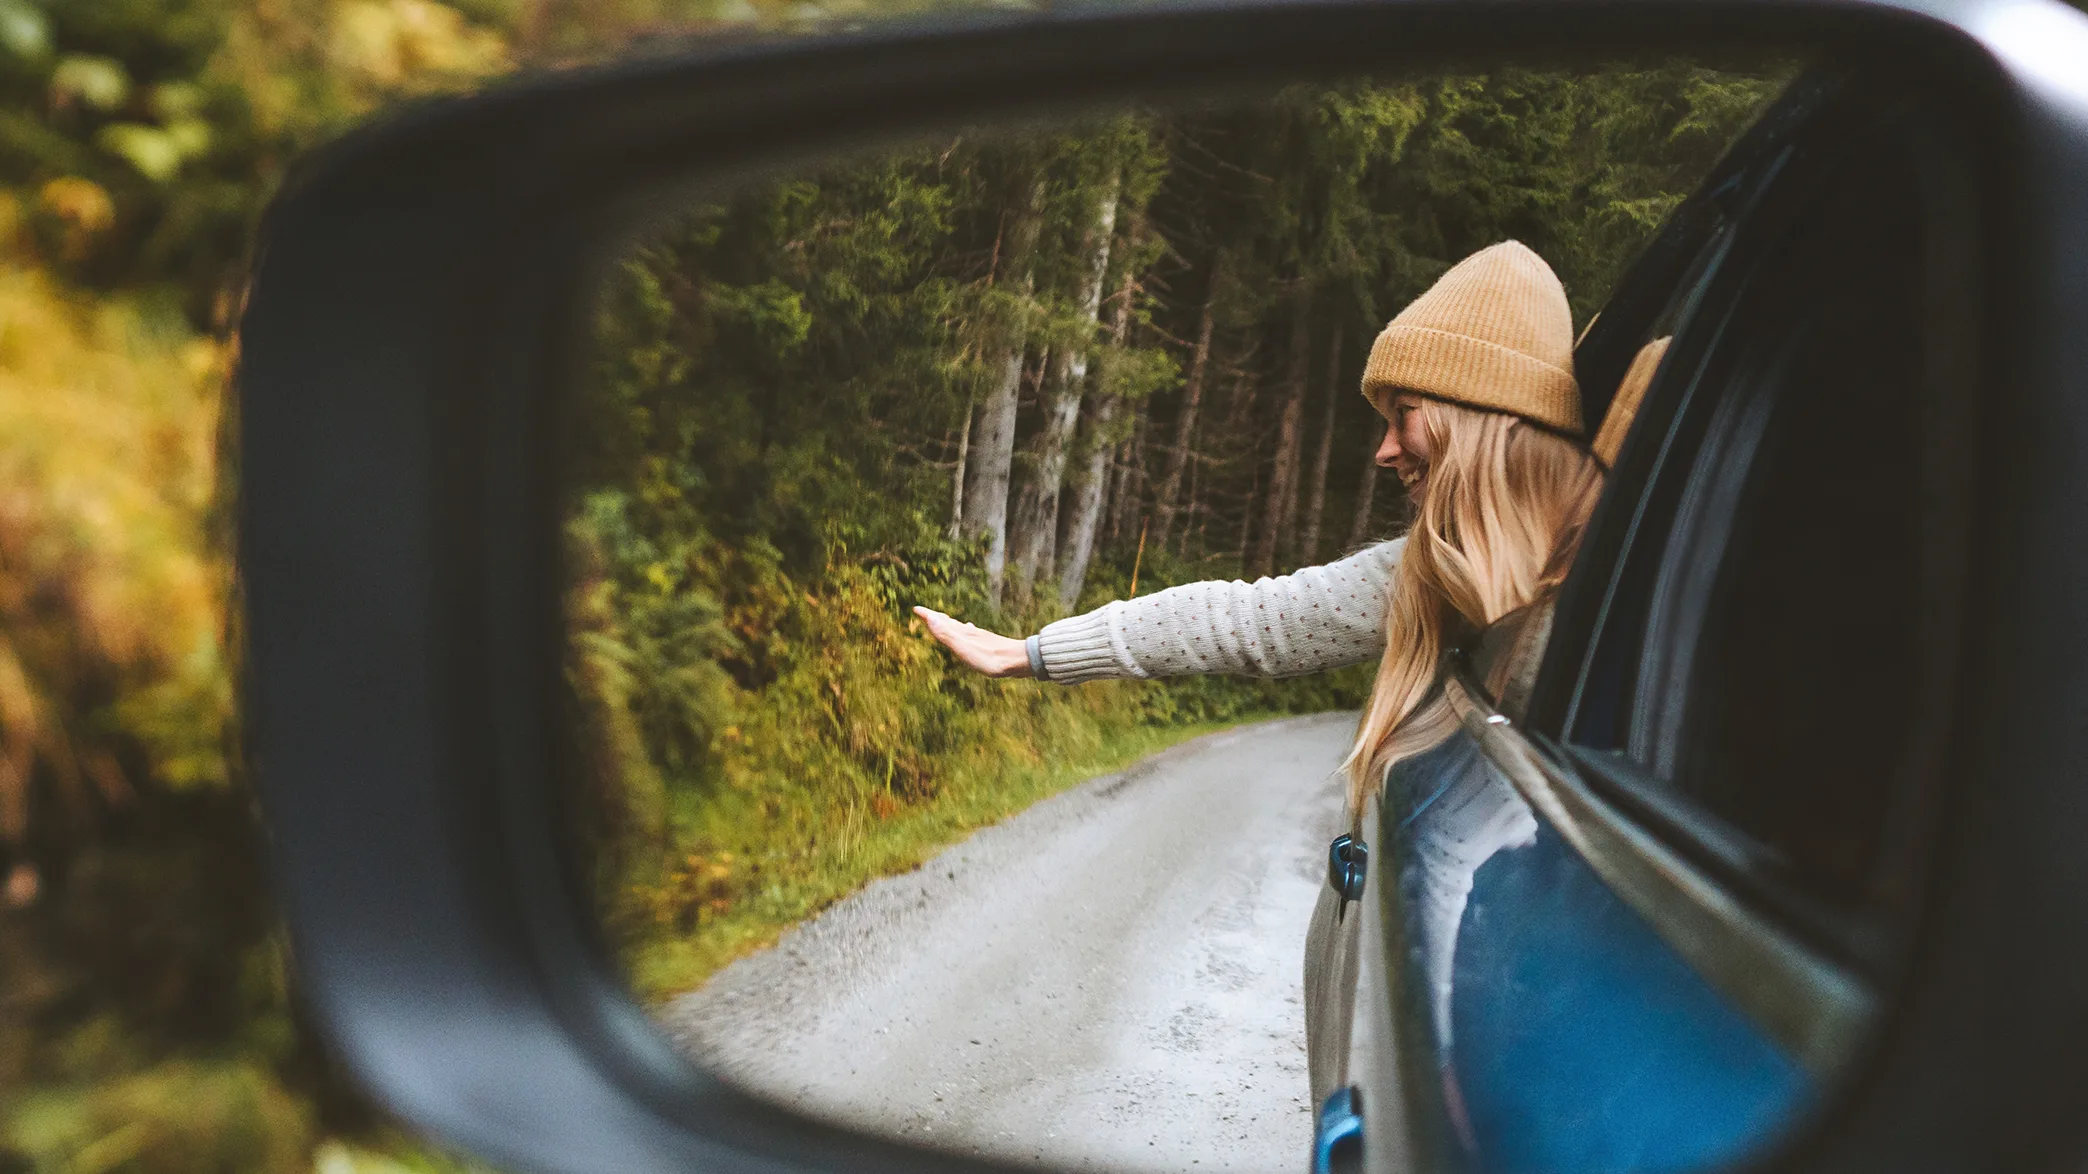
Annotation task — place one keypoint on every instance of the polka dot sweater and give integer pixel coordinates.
(1304, 622)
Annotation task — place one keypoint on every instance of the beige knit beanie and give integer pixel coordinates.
(1495, 332)
(1624, 405)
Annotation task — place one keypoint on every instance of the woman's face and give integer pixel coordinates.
(1405, 450)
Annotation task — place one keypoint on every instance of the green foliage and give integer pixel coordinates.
(140, 138)
(207, 1118)
(147, 1024)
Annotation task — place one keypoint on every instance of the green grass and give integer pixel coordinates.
(865, 845)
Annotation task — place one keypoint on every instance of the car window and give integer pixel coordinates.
(1761, 654)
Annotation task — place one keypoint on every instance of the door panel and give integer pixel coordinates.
(1587, 1043)
(1563, 1032)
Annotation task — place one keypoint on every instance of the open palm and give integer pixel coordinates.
(990, 653)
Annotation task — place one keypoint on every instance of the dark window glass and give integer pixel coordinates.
(1760, 656)
(1799, 693)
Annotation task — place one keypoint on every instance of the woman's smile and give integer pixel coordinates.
(1406, 448)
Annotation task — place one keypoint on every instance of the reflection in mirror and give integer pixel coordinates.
(867, 451)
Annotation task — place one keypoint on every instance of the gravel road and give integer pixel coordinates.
(1108, 981)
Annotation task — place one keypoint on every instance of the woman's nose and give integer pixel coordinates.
(1389, 450)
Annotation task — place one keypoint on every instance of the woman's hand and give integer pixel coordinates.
(996, 656)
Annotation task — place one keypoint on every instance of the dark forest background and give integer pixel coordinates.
(1012, 378)
(730, 571)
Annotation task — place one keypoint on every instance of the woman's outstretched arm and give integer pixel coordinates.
(1314, 619)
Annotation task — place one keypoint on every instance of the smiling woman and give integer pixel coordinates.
(1475, 380)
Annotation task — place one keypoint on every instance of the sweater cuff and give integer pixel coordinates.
(1079, 649)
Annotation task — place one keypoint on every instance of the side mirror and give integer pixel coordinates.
(422, 313)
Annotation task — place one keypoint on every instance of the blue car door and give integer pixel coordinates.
(1638, 911)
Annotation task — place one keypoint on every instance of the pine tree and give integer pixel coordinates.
(993, 450)
(1280, 504)
(1179, 454)
(1099, 447)
(1035, 523)
(1316, 481)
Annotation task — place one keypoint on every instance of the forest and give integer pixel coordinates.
(1012, 377)
(732, 575)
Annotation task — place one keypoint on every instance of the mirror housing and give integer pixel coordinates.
(416, 313)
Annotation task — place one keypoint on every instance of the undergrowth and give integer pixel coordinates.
(748, 877)
(756, 746)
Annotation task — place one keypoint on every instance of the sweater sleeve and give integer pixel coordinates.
(1317, 618)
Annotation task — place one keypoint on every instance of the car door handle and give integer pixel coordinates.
(1337, 1137)
(1348, 860)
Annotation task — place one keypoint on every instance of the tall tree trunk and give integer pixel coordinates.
(1316, 484)
(1359, 528)
(957, 477)
(1088, 487)
(1127, 480)
(1238, 442)
(1282, 500)
(986, 493)
(1191, 508)
(1112, 496)
(1192, 400)
(1130, 505)
(1035, 526)
(1247, 503)
(1087, 501)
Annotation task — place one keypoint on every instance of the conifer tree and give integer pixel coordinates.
(993, 448)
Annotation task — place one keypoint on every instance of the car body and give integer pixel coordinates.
(1640, 910)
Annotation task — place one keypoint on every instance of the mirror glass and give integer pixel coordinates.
(848, 438)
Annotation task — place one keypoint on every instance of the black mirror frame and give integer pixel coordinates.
(415, 313)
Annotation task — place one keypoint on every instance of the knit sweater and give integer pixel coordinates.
(1318, 618)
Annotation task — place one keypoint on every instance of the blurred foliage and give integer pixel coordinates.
(145, 1022)
(139, 138)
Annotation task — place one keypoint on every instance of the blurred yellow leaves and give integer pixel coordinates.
(156, 151)
(25, 32)
(111, 596)
(306, 69)
(178, 1115)
(82, 209)
(692, 891)
(411, 45)
(99, 83)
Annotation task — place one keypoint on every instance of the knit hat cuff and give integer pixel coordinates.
(1474, 372)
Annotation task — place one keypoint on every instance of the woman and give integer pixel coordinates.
(1475, 381)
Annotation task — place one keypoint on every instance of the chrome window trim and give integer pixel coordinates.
(1808, 1004)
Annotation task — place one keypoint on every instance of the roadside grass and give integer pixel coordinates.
(841, 851)
(757, 745)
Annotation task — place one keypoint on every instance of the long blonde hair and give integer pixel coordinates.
(1501, 517)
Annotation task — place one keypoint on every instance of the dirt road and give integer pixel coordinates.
(1108, 981)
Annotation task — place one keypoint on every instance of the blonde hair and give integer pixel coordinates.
(1501, 517)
